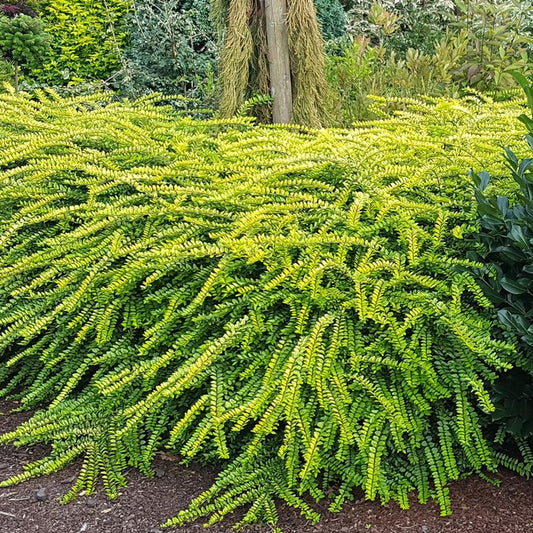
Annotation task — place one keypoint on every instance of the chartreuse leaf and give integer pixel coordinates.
(291, 305)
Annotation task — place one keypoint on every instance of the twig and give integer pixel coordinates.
(8, 514)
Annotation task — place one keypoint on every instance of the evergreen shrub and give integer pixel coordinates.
(23, 41)
(172, 49)
(294, 305)
(87, 40)
(332, 18)
(506, 233)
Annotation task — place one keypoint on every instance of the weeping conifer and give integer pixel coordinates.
(244, 59)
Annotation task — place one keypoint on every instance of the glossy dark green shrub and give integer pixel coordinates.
(506, 233)
(507, 236)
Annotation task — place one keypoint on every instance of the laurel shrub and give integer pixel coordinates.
(294, 306)
(506, 234)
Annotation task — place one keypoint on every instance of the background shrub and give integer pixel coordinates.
(477, 45)
(332, 18)
(400, 24)
(12, 9)
(87, 40)
(292, 304)
(172, 49)
(498, 35)
(356, 71)
(431, 47)
(23, 41)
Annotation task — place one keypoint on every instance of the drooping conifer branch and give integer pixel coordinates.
(244, 63)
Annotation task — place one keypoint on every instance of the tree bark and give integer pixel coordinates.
(279, 60)
(16, 76)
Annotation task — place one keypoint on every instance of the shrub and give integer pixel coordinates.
(87, 39)
(332, 18)
(401, 24)
(172, 49)
(284, 301)
(23, 41)
(27, 7)
(499, 40)
(506, 234)
(357, 70)
(409, 48)
(12, 9)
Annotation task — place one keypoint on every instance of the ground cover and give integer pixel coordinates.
(292, 305)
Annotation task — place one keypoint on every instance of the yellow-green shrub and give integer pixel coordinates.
(290, 303)
(87, 40)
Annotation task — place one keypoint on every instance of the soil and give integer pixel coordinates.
(32, 507)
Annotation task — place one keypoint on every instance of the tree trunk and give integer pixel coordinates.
(16, 76)
(279, 60)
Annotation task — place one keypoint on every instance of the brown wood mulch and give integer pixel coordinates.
(32, 507)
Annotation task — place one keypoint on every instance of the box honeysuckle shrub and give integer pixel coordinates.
(291, 305)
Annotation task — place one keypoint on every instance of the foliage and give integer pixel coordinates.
(481, 49)
(7, 73)
(172, 49)
(357, 70)
(507, 237)
(499, 37)
(290, 303)
(27, 7)
(87, 39)
(483, 43)
(23, 41)
(12, 9)
(401, 24)
(498, 32)
(332, 18)
(252, 103)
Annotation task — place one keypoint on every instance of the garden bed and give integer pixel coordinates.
(477, 505)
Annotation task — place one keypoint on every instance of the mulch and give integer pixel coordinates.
(32, 507)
